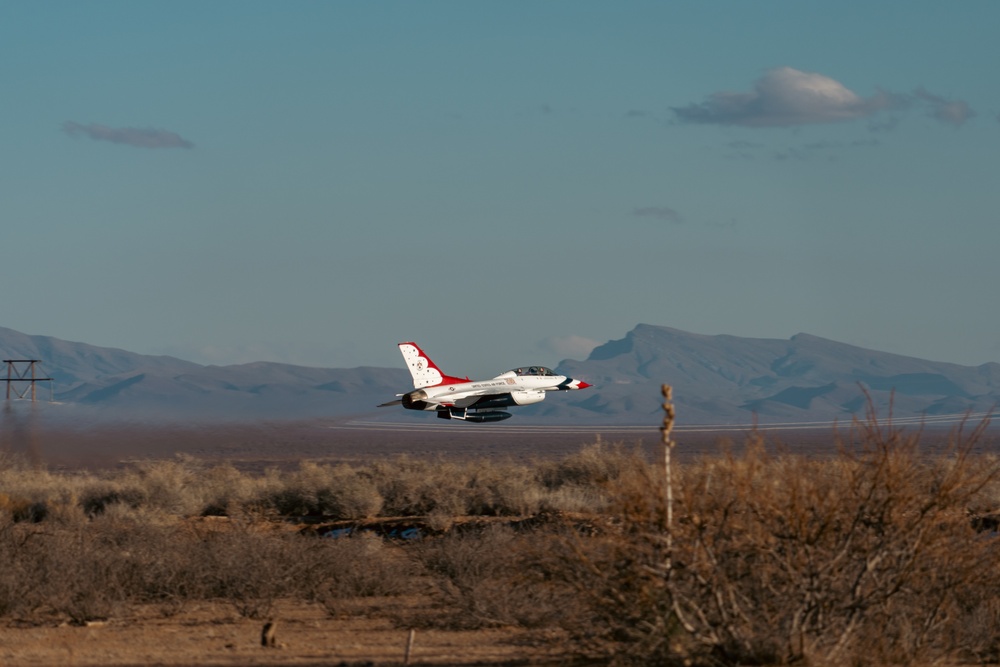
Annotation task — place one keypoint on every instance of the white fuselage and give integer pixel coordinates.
(524, 390)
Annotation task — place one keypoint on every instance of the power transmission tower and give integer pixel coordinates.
(23, 376)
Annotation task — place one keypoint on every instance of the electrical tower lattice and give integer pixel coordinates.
(23, 377)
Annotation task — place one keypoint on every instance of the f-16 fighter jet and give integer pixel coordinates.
(475, 400)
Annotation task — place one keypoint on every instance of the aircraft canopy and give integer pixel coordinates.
(532, 370)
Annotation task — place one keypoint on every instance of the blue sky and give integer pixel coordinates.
(503, 182)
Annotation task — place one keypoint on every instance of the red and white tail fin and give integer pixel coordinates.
(424, 371)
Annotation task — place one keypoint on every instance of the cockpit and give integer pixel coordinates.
(532, 370)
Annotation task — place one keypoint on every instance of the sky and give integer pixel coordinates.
(503, 182)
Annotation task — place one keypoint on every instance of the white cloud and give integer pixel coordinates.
(785, 96)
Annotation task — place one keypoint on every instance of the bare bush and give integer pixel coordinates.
(83, 577)
(252, 564)
(158, 560)
(225, 490)
(781, 559)
(334, 491)
(22, 554)
(491, 579)
(362, 565)
(593, 466)
(418, 487)
(502, 490)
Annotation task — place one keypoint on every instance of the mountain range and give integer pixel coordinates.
(717, 379)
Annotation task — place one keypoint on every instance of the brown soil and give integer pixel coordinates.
(371, 632)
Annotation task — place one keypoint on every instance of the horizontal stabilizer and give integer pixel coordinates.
(390, 403)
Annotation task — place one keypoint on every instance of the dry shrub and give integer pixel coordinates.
(81, 572)
(773, 559)
(252, 563)
(579, 482)
(323, 490)
(489, 488)
(362, 565)
(491, 578)
(84, 577)
(34, 494)
(575, 499)
(97, 498)
(593, 466)
(403, 486)
(171, 487)
(21, 552)
(226, 490)
(157, 558)
(22, 509)
(418, 487)
(502, 490)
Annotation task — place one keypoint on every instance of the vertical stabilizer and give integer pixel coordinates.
(424, 371)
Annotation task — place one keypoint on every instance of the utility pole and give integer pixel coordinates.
(23, 376)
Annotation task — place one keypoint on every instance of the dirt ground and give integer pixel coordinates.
(372, 633)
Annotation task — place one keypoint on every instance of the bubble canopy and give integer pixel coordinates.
(532, 370)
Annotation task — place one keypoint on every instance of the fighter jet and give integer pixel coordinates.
(475, 400)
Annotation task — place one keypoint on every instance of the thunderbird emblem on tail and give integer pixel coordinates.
(475, 400)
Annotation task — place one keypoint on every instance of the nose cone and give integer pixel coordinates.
(583, 385)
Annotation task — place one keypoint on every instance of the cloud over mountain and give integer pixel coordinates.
(131, 136)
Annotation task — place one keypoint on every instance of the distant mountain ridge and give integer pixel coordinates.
(102, 382)
(729, 379)
(717, 379)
